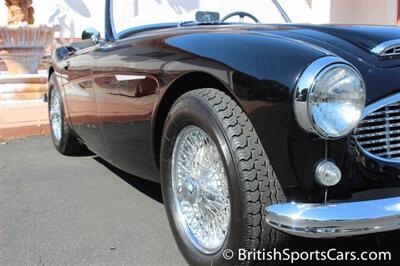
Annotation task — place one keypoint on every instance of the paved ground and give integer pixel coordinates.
(61, 210)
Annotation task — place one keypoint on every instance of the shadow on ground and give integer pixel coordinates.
(151, 189)
(370, 243)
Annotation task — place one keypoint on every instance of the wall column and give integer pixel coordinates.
(398, 12)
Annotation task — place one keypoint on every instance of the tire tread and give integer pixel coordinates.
(259, 182)
(69, 144)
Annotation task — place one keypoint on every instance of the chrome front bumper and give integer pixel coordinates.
(332, 220)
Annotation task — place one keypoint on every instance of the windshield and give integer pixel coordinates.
(128, 14)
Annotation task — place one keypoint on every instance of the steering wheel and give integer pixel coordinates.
(241, 15)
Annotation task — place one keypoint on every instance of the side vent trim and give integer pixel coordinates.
(389, 48)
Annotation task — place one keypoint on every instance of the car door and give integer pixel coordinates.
(81, 99)
(125, 102)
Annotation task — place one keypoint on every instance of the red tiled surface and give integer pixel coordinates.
(20, 119)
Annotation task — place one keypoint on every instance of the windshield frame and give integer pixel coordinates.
(112, 35)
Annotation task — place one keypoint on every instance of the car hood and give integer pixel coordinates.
(348, 41)
(366, 37)
(354, 44)
(351, 42)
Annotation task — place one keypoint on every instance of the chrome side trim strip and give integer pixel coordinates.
(129, 77)
(381, 48)
(335, 219)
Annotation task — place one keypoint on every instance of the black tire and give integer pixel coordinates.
(69, 143)
(252, 181)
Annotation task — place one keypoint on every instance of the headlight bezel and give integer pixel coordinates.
(305, 85)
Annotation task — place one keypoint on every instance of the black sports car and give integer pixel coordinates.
(255, 131)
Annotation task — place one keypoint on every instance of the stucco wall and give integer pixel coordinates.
(72, 15)
(364, 11)
(76, 15)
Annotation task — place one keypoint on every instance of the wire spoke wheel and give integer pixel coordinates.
(55, 114)
(64, 140)
(200, 189)
(216, 180)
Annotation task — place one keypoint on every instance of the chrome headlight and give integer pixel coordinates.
(330, 98)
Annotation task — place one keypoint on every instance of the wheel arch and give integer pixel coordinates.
(185, 83)
(51, 71)
(47, 94)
